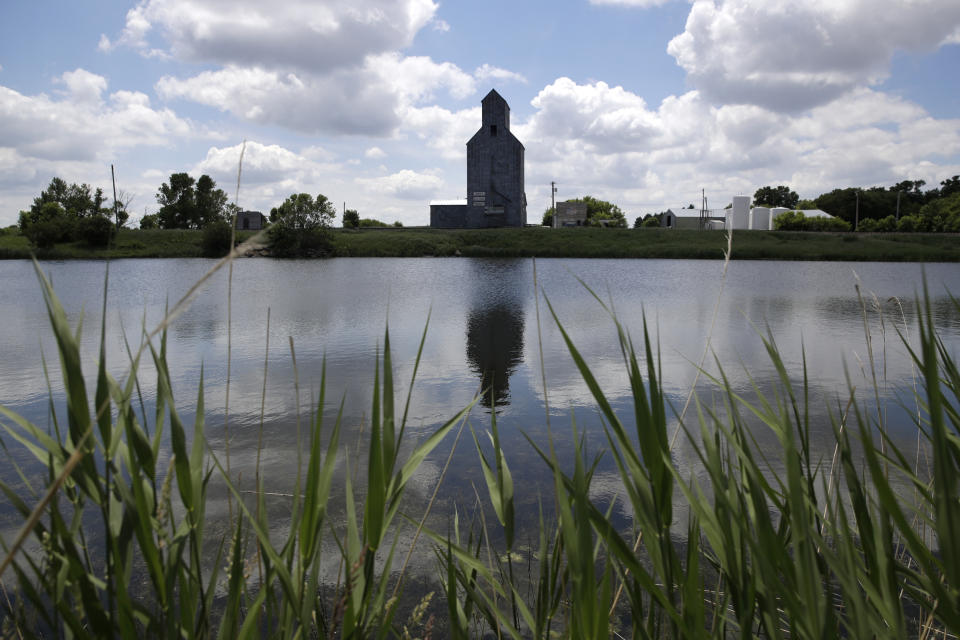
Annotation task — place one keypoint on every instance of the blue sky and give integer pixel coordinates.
(371, 102)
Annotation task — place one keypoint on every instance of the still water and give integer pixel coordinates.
(483, 332)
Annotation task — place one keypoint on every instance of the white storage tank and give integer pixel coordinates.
(775, 212)
(760, 219)
(739, 215)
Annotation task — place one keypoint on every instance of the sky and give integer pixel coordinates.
(371, 102)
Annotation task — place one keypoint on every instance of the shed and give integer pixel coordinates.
(571, 214)
(251, 221)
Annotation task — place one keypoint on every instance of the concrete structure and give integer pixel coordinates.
(774, 213)
(689, 218)
(495, 188)
(251, 221)
(738, 216)
(571, 214)
(760, 218)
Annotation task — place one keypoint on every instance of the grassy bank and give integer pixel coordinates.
(646, 243)
(810, 549)
(546, 243)
(129, 243)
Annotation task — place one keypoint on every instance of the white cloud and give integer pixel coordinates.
(486, 72)
(440, 25)
(342, 102)
(417, 78)
(367, 100)
(374, 153)
(602, 140)
(83, 87)
(441, 129)
(643, 4)
(788, 56)
(405, 184)
(300, 34)
(82, 125)
(76, 133)
(271, 172)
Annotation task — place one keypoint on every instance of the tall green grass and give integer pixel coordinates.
(807, 548)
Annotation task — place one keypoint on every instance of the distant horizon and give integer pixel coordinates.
(642, 103)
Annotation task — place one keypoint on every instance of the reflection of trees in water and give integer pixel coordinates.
(495, 348)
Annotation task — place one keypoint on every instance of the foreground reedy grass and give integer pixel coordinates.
(814, 550)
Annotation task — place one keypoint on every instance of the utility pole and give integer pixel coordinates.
(555, 223)
(116, 213)
(856, 213)
(898, 205)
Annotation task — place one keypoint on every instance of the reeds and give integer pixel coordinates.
(745, 547)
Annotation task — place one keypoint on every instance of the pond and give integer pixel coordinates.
(485, 329)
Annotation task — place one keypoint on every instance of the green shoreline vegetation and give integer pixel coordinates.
(538, 242)
(865, 545)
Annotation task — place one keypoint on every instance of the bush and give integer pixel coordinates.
(908, 224)
(789, 221)
(149, 222)
(216, 239)
(650, 223)
(96, 231)
(796, 221)
(287, 242)
(887, 225)
(351, 219)
(47, 225)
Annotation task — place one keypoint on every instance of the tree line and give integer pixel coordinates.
(905, 206)
(69, 212)
(76, 212)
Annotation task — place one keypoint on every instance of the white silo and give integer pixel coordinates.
(775, 212)
(739, 215)
(760, 219)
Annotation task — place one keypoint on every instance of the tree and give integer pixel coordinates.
(46, 224)
(121, 207)
(351, 219)
(211, 202)
(598, 210)
(547, 218)
(186, 203)
(950, 186)
(216, 239)
(301, 226)
(780, 196)
(651, 222)
(942, 214)
(96, 231)
(638, 222)
(397, 223)
(149, 221)
(372, 222)
(177, 203)
(839, 202)
(301, 211)
(75, 199)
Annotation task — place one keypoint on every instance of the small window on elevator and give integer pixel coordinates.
(493, 130)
